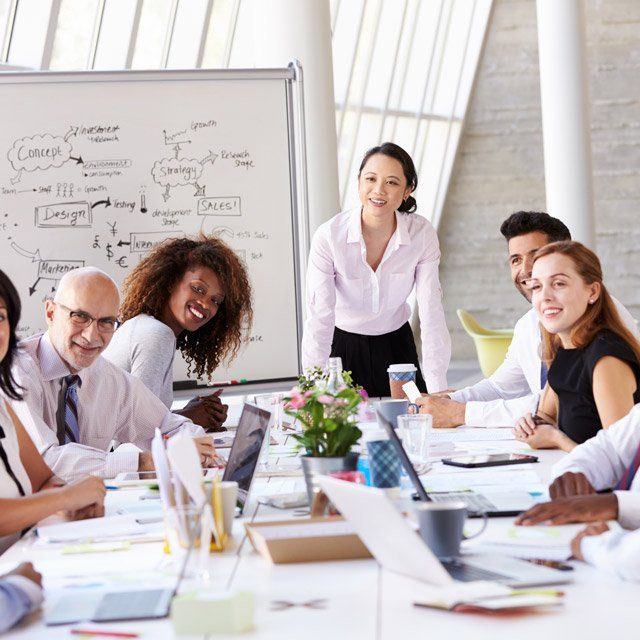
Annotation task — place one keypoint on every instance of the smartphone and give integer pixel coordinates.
(489, 460)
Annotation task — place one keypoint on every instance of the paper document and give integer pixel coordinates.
(475, 479)
(469, 434)
(550, 543)
(93, 529)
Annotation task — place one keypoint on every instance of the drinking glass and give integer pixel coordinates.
(414, 430)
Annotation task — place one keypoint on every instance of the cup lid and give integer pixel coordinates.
(396, 368)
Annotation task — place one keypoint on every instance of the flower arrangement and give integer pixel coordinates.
(328, 419)
(316, 377)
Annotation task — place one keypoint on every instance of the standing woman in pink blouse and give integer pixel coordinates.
(363, 265)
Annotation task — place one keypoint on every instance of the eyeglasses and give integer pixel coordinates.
(83, 319)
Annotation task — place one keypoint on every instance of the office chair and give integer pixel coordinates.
(491, 344)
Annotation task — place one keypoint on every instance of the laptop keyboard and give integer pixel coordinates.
(130, 605)
(476, 502)
(467, 573)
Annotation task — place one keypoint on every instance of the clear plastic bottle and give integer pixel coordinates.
(335, 382)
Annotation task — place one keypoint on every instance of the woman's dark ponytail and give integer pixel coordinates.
(408, 206)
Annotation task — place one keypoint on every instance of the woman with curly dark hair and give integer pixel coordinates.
(191, 294)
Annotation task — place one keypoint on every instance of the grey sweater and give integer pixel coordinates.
(145, 347)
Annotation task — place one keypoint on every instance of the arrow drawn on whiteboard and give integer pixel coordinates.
(35, 257)
(32, 288)
(167, 193)
(106, 203)
(176, 151)
(78, 160)
(17, 177)
(72, 132)
(210, 158)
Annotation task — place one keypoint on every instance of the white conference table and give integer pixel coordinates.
(361, 601)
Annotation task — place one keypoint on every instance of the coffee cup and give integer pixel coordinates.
(384, 463)
(441, 526)
(400, 374)
(391, 409)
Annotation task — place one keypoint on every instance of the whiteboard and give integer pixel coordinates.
(97, 168)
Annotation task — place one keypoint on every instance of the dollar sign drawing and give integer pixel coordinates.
(109, 252)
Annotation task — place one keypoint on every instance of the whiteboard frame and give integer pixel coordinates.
(294, 100)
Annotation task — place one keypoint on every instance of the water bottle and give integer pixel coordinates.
(335, 382)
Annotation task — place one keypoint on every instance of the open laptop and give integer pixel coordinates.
(246, 449)
(136, 604)
(397, 547)
(510, 502)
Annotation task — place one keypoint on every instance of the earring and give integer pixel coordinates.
(591, 301)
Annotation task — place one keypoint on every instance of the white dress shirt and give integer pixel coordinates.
(616, 551)
(8, 488)
(112, 405)
(605, 458)
(343, 290)
(514, 388)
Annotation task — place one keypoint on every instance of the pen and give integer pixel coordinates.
(537, 592)
(552, 564)
(104, 633)
(109, 487)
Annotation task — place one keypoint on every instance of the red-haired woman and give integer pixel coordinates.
(593, 360)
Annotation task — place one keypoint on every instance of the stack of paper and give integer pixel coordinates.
(461, 480)
(469, 434)
(94, 529)
(549, 543)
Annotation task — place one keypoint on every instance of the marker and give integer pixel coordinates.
(227, 383)
(107, 634)
(109, 487)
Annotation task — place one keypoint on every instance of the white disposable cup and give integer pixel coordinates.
(229, 494)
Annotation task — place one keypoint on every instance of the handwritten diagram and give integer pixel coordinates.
(99, 173)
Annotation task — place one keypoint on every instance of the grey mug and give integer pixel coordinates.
(441, 526)
(391, 409)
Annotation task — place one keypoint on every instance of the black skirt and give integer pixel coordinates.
(368, 357)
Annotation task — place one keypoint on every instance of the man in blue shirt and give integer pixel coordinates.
(20, 593)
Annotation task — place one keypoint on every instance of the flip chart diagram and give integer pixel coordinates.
(97, 169)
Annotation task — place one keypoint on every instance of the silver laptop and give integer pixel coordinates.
(75, 605)
(479, 503)
(246, 449)
(397, 547)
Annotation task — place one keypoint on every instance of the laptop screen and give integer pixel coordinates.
(246, 447)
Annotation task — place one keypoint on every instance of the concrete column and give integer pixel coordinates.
(287, 29)
(565, 116)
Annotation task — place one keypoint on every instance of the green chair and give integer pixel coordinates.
(491, 344)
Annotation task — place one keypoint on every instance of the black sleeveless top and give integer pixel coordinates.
(571, 377)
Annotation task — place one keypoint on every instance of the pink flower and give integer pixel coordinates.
(325, 399)
(363, 394)
(309, 393)
(296, 402)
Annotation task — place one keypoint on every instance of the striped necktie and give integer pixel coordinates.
(627, 478)
(543, 374)
(67, 414)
